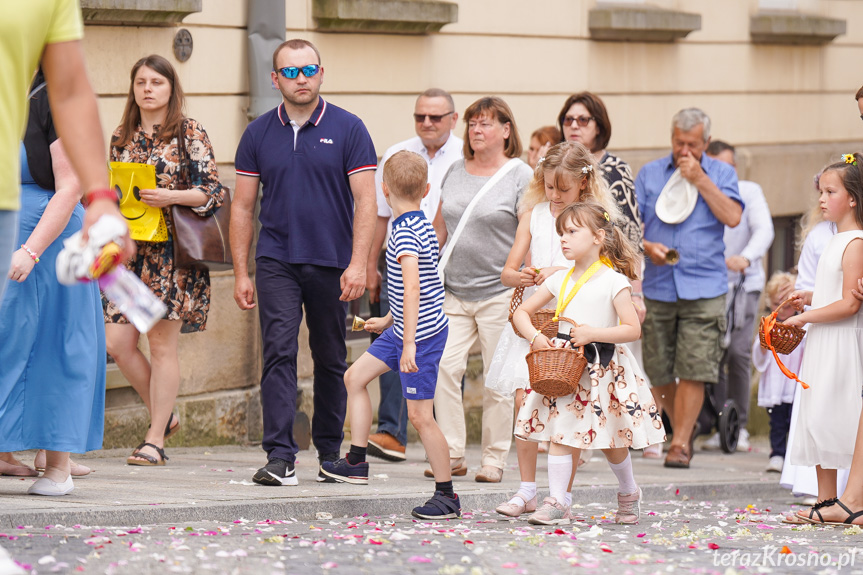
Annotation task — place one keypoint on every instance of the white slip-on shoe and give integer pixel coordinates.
(45, 486)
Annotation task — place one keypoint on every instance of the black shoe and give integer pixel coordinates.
(276, 472)
(322, 477)
(344, 472)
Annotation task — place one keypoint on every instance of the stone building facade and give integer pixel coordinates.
(777, 77)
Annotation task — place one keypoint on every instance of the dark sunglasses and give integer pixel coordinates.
(420, 118)
(292, 72)
(582, 121)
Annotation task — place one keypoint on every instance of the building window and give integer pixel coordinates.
(783, 254)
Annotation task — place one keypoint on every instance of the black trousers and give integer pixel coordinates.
(284, 290)
(780, 423)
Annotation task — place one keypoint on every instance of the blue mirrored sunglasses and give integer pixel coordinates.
(292, 72)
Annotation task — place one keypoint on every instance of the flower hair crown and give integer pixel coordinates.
(849, 159)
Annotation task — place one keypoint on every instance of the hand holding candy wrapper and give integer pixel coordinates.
(98, 259)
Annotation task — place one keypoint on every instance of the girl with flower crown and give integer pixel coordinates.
(831, 408)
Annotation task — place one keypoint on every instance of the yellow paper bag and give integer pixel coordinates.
(146, 223)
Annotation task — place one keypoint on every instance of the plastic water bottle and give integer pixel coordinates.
(98, 259)
(133, 298)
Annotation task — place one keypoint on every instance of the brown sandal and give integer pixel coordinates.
(145, 460)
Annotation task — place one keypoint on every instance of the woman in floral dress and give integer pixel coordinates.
(150, 133)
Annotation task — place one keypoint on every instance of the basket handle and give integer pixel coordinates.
(516, 300)
(580, 348)
(783, 304)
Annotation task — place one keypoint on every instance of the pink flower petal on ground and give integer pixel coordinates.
(329, 565)
(641, 534)
(509, 565)
(419, 559)
(713, 546)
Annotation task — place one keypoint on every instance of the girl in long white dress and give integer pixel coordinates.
(612, 408)
(830, 409)
(568, 173)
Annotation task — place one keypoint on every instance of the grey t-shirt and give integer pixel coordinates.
(473, 272)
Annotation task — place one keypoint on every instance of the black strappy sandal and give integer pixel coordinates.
(145, 460)
(814, 510)
(852, 515)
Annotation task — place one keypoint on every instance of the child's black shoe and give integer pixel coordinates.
(439, 507)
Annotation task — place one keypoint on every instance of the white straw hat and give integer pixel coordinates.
(676, 200)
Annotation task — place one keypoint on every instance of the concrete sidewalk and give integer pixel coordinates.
(214, 483)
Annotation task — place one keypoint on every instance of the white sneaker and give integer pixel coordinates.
(743, 441)
(45, 486)
(775, 464)
(712, 444)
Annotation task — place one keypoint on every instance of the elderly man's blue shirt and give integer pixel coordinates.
(701, 272)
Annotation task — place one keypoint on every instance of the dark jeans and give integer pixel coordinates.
(780, 422)
(284, 290)
(393, 409)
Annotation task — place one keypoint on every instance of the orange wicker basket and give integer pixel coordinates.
(539, 319)
(784, 338)
(555, 372)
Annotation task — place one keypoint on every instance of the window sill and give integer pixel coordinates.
(387, 16)
(622, 23)
(138, 12)
(794, 28)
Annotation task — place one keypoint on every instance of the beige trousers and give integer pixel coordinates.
(469, 320)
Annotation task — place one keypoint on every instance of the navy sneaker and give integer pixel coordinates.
(276, 472)
(439, 506)
(322, 457)
(343, 472)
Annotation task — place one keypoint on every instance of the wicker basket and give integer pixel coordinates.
(539, 319)
(555, 372)
(783, 338)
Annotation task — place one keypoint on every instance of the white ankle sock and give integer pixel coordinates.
(527, 488)
(625, 478)
(559, 472)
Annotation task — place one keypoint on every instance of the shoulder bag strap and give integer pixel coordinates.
(450, 246)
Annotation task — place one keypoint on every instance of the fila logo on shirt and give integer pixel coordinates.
(326, 141)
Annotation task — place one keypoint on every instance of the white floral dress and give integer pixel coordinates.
(508, 370)
(613, 406)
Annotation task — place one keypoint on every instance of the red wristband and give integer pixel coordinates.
(100, 194)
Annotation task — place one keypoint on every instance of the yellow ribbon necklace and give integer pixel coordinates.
(588, 273)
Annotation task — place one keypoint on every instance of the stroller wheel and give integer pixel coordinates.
(729, 426)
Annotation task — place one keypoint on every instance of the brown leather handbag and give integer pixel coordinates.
(200, 241)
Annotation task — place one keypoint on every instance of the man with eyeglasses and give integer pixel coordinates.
(685, 291)
(434, 119)
(316, 163)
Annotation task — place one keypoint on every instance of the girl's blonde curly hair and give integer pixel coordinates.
(570, 160)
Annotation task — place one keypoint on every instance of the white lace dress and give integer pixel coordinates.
(508, 370)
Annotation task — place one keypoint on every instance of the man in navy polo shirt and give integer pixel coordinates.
(316, 163)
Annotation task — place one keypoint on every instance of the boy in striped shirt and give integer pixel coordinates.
(413, 337)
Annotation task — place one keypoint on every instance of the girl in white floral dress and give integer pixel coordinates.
(613, 408)
(568, 173)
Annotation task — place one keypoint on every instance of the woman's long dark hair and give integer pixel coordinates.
(132, 114)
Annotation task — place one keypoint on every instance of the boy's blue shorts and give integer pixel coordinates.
(420, 384)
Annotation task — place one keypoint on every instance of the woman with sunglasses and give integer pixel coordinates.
(154, 131)
(477, 304)
(584, 118)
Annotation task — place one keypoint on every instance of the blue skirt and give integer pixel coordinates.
(52, 350)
